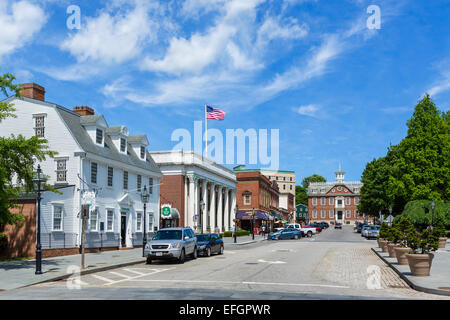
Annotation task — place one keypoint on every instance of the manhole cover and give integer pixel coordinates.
(444, 288)
(251, 263)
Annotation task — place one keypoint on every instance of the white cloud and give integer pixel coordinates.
(308, 110)
(215, 45)
(18, 23)
(443, 84)
(112, 38)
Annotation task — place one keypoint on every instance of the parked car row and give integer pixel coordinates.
(177, 243)
(368, 231)
(297, 231)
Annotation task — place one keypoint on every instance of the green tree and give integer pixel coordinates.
(301, 192)
(418, 168)
(17, 157)
(421, 170)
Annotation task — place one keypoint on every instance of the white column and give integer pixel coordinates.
(191, 211)
(232, 215)
(221, 222)
(205, 200)
(226, 212)
(186, 198)
(212, 212)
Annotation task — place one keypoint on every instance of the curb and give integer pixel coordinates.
(84, 272)
(409, 282)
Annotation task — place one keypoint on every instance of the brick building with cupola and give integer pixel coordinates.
(336, 201)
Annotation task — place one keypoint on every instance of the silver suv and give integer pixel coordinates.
(172, 243)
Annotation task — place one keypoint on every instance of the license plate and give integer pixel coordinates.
(159, 254)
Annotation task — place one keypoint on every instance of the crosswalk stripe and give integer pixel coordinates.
(120, 275)
(102, 278)
(134, 271)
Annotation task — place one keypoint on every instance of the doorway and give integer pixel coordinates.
(123, 230)
(339, 215)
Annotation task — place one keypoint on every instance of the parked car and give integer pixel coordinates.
(359, 227)
(313, 225)
(323, 224)
(338, 225)
(171, 243)
(208, 244)
(373, 232)
(365, 230)
(287, 233)
(306, 231)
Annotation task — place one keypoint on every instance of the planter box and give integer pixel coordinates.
(400, 253)
(391, 251)
(383, 245)
(420, 264)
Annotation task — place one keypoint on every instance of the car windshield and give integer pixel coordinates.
(374, 228)
(168, 235)
(203, 237)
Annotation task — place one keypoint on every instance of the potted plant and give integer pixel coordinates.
(403, 227)
(441, 233)
(420, 258)
(393, 238)
(382, 242)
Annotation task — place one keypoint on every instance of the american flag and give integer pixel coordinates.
(213, 113)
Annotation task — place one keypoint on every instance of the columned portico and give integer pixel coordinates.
(226, 212)
(212, 211)
(220, 215)
(232, 212)
(205, 214)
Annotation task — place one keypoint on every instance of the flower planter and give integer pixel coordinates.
(378, 241)
(442, 242)
(390, 247)
(400, 253)
(383, 245)
(420, 264)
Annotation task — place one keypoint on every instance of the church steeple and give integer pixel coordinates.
(340, 175)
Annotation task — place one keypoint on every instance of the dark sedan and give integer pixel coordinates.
(208, 244)
(338, 225)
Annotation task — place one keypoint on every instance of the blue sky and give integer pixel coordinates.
(337, 91)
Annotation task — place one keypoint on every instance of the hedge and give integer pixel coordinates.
(238, 234)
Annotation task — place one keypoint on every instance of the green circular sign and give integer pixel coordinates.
(165, 211)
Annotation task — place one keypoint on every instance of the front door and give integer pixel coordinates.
(339, 215)
(123, 230)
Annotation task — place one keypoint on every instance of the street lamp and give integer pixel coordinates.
(235, 224)
(202, 208)
(432, 213)
(38, 185)
(390, 215)
(253, 224)
(145, 195)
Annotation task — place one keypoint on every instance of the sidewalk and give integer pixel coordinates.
(439, 280)
(18, 274)
(242, 240)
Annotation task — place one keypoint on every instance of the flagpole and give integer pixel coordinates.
(206, 131)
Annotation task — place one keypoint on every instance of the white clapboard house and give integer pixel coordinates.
(92, 158)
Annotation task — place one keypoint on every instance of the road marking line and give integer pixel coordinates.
(120, 275)
(137, 277)
(102, 278)
(133, 271)
(245, 282)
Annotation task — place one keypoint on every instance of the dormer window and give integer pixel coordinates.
(123, 145)
(99, 136)
(142, 152)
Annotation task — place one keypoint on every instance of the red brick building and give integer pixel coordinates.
(256, 195)
(334, 201)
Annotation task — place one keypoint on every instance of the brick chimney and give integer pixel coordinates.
(84, 111)
(32, 91)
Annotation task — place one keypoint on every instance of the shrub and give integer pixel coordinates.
(238, 233)
(439, 229)
(423, 242)
(383, 230)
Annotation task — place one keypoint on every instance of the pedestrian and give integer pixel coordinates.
(263, 230)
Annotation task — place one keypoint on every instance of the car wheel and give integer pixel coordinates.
(181, 258)
(309, 234)
(208, 252)
(194, 254)
(221, 250)
(149, 261)
(296, 237)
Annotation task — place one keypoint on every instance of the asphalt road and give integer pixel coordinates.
(336, 264)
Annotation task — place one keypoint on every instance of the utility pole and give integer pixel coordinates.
(84, 210)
